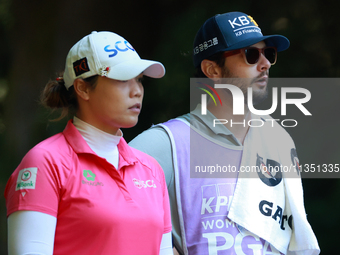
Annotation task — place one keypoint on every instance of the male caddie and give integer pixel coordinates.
(257, 209)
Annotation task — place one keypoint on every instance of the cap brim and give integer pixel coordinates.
(132, 68)
(280, 42)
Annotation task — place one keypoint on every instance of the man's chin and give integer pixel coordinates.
(259, 98)
(260, 85)
(258, 95)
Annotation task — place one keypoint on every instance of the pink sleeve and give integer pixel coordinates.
(35, 184)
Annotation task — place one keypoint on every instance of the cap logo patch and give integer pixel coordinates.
(118, 47)
(244, 25)
(242, 21)
(81, 66)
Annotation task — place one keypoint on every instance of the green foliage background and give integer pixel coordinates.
(36, 36)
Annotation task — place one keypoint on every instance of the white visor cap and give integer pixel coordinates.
(107, 54)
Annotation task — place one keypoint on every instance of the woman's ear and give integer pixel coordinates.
(81, 88)
(211, 69)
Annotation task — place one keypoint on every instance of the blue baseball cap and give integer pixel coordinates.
(231, 31)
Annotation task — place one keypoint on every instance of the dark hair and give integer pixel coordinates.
(217, 57)
(56, 96)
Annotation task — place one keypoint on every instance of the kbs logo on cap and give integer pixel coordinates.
(242, 21)
(80, 66)
(244, 25)
(27, 178)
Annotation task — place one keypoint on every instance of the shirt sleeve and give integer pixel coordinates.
(37, 235)
(35, 184)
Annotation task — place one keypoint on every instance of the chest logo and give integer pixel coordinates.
(90, 179)
(89, 175)
(144, 184)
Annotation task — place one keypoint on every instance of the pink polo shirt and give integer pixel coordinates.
(99, 210)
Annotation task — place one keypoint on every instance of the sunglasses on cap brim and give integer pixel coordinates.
(252, 54)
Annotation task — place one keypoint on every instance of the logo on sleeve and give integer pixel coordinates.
(27, 178)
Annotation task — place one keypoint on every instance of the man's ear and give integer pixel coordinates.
(81, 88)
(211, 69)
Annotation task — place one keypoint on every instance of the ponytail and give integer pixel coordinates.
(56, 96)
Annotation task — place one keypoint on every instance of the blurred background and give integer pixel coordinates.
(36, 35)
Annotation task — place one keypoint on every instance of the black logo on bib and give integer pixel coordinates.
(295, 160)
(269, 173)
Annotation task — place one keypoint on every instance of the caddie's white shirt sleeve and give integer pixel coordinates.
(31, 233)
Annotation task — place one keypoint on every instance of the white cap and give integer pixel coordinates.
(107, 54)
